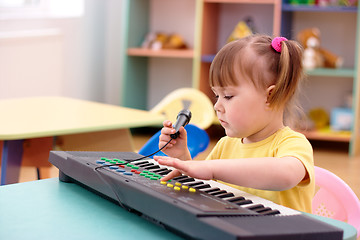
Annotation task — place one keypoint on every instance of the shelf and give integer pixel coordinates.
(314, 8)
(330, 72)
(168, 53)
(207, 58)
(327, 135)
(243, 1)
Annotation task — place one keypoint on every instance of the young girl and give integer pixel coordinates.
(254, 80)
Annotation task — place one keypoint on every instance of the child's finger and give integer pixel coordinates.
(171, 175)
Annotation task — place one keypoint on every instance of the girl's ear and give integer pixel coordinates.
(269, 91)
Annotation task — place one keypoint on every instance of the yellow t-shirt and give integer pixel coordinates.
(284, 142)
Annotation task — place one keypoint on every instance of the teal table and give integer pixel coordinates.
(49, 209)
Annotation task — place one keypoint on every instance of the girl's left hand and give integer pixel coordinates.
(195, 169)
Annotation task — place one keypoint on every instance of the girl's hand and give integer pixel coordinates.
(195, 169)
(177, 147)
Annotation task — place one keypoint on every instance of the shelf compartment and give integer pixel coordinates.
(314, 8)
(330, 72)
(169, 53)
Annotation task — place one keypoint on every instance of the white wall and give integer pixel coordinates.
(92, 50)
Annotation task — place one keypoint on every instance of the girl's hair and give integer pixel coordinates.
(254, 59)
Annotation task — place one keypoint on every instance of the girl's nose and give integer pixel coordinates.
(217, 106)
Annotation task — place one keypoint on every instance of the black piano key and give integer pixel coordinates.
(234, 199)
(242, 202)
(202, 186)
(225, 195)
(271, 212)
(212, 190)
(180, 177)
(254, 207)
(218, 192)
(262, 209)
(185, 180)
(159, 170)
(194, 183)
(164, 172)
(145, 164)
(152, 167)
(141, 162)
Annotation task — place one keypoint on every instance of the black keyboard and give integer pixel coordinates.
(189, 207)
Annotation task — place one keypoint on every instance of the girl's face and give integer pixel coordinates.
(243, 111)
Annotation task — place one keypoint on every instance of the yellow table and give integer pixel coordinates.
(79, 125)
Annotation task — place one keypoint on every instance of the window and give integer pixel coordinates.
(22, 9)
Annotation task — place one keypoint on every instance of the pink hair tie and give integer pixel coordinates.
(276, 43)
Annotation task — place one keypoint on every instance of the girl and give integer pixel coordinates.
(254, 80)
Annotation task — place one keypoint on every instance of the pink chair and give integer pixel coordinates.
(335, 199)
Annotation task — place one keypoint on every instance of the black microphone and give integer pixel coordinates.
(182, 119)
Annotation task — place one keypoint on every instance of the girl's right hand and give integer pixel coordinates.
(177, 148)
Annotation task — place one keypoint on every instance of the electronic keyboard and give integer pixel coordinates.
(189, 207)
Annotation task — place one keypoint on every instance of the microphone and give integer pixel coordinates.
(182, 119)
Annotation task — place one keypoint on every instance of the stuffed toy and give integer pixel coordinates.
(314, 55)
(242, 29)
(156, 41)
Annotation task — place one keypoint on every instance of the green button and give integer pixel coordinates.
(142, 174)
(135, 167)
(104, 159)
(145, 171)
(151, 173)
(153, 178)
(113, 162)
(107, 160)
(129, 165)
(121, 161)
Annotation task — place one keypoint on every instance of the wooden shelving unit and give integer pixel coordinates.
(212, 20)
(288, 22)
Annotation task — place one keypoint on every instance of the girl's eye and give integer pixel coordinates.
(228, 97)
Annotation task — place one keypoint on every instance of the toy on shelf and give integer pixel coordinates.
(341, 118)
(304, 2)
(314, 55)
(348, 3)
(157, 41)
(319, 117)
(242, 29)
(325, 3)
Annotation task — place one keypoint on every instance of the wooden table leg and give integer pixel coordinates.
(11, 161)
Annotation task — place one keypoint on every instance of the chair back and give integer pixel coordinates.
(197, 141)
(335, 199)
(197, 102)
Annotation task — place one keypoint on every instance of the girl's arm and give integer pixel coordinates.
(269, 173)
